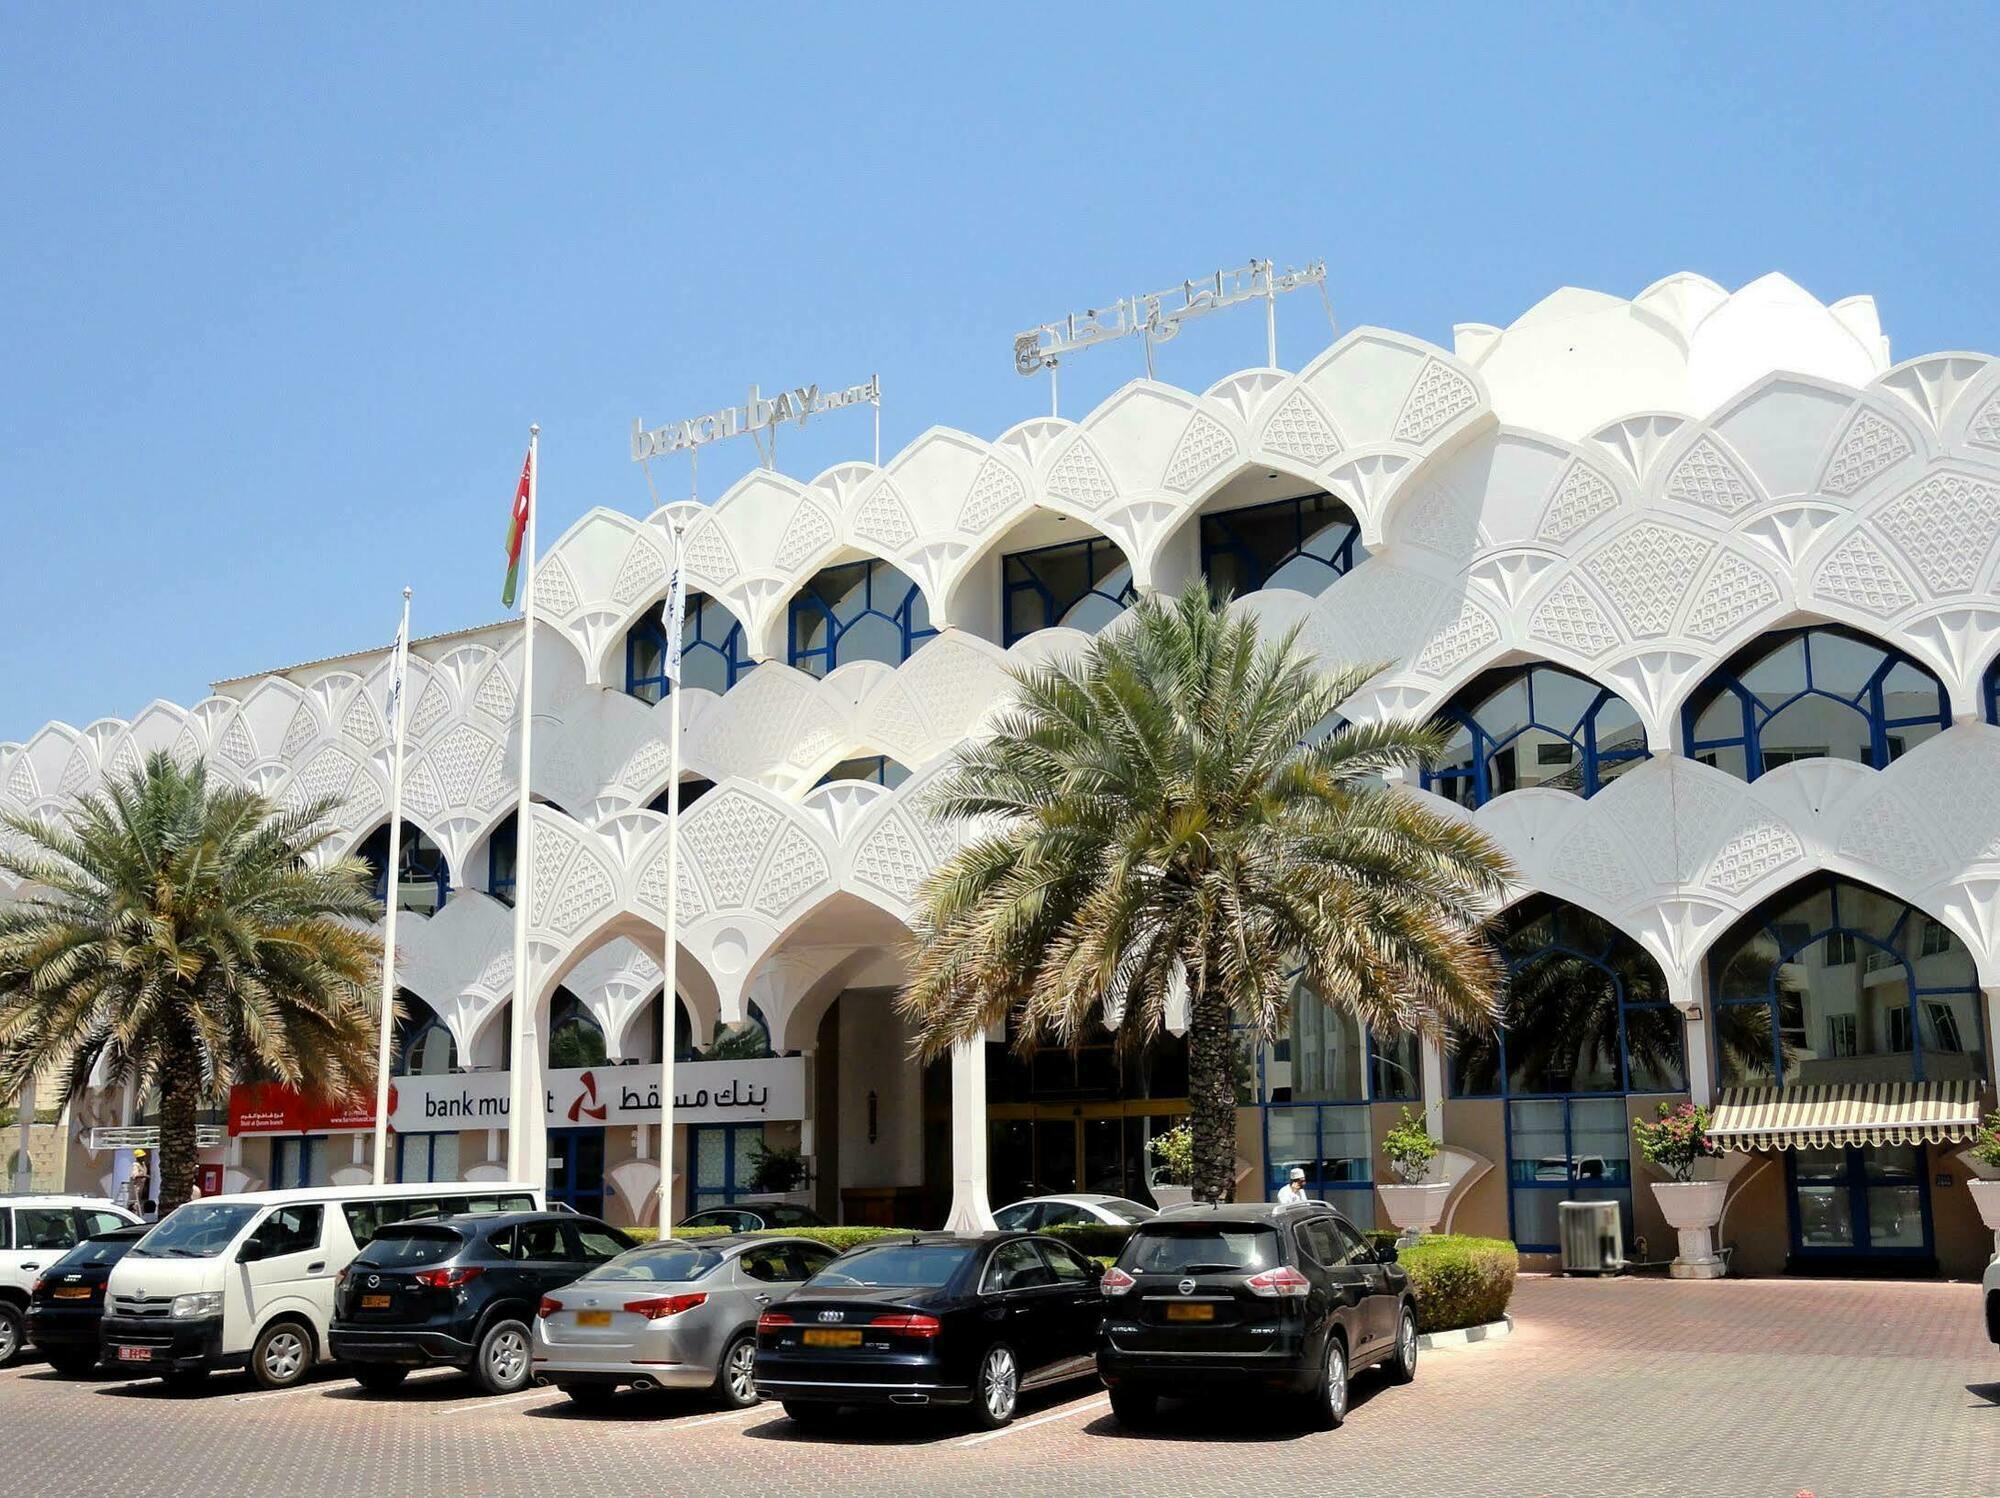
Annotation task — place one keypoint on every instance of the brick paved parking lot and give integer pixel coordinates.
(1757, 1388)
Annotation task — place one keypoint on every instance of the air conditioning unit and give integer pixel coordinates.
(1593, 1238)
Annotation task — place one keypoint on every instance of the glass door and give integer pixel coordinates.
(1869, 1199)
(576, 1169)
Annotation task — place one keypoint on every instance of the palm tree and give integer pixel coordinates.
(177, 934)
(1156, 822)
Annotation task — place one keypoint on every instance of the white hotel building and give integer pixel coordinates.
(1706, 580)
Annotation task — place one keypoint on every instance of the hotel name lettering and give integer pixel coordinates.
(755, 415)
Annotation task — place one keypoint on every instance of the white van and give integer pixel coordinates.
(236, 1281)
(35, 1231)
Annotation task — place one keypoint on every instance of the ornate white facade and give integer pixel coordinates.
(1629, 489)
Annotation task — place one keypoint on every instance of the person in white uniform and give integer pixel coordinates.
(1293, 1192)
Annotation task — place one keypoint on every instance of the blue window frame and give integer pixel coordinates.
(1812, 694)
(1871, 1201)
(1993, 691)
(421, 1158)
(1536, 725)
(1333, 1144)
(859, 611)
(1302, 543)
(503, 857)
(1080, 584)
(424, 881)
(712, 651)
(1831, 981)
(723, 1157)
(877, 769)
(299, 1161)
(576, 1169)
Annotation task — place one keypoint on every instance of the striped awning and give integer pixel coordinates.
(1829, 1115)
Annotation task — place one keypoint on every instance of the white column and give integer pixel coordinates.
(1432, 1067)
(1992, 994)
(971, 1212)
(1700, 1055)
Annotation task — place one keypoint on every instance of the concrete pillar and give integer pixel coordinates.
(1991, 991)
(527, 1107)
(1432, 1067)
(1698, 1014)
(971, 1212)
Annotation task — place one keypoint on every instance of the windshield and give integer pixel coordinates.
(925, 1264)
(397, 1247)
(97, 1251)
(1200, 1249)
(1125, 1211)
(660, 1265)
(199, 1230)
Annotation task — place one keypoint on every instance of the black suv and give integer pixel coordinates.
(459, 1292)
(67, 1306)
(1288, 1299)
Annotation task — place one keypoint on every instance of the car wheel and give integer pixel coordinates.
(503, 1361)
(997, 1388)
(1403, 1367)
(810, 1414)
(1329, 1396)
(380, 1378)
(281, 1355)
(1134, 1407)
(736, 1375)
(73, 1362)
(12, 1332)
(590, 1396)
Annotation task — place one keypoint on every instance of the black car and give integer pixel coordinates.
(932, 1320)
(67, 1304)
(1281, 1299)
(459, 1292)
(754, 1216)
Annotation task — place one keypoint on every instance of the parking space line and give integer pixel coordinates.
(327, 1386)
(755, 1409)
(1088, 1406)
(476, 1402)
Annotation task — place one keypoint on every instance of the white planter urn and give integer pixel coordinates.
(1692, 1209)
(1415, 1209)
(1165, 1196)
(1986, 1197)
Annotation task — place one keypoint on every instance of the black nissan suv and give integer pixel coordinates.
(459, 1292)
(1284, 1299)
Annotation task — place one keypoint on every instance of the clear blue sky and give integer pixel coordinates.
(284, 286)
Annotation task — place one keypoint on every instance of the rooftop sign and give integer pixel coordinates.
(757, 414)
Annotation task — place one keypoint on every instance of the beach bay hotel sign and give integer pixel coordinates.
(757, 414)
(772, 1090)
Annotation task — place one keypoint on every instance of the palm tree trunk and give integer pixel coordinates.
(1211, 1046)
(180, 1101)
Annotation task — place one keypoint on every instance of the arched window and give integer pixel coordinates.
(1078, 584)
(1302, 543)
(1993, 691)
(1832, 981)
(423, 880)
(1535, 725)
(693, 789)
(712, 651)
(859, 611)
(748, 1041)
(503, 857)
(576, 1039)
(878, 769)
(1820, 693)
(1585, 1020)
(423, 1043)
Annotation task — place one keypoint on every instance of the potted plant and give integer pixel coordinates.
(1173, 1166)
(775, 1172)
(1416, 1204)
(1984, 1154)
(1675, 1143)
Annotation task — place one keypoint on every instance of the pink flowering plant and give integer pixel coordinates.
(1986, 1143)
(1677, 1140)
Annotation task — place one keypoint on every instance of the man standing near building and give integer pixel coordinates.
(1293, 1192)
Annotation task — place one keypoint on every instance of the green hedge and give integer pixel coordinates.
(1460, 1281)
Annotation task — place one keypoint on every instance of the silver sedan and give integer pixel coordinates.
(673, 1315)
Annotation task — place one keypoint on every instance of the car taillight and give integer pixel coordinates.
(36, 1288)
(446, 1279)
(549, 1306)
(908, 1326)
(664, 1305)
(1116, 1281)
(770, 1321)
(1284, 1280)
(339, 1280)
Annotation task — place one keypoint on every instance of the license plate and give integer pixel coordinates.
(374, 1302)
(76, 1292)
(593, 1318)
(828, 1337)
(135, 1354)
(1199, 1311)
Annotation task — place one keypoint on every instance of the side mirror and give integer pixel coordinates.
(1386, 1254)
(252, 1250)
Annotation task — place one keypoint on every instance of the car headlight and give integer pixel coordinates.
(203, 1303)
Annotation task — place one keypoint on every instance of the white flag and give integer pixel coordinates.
(673, 617)
(400, 656)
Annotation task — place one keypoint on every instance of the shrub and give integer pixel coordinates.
(1986, 1143)
(1678, 1140)
(1410, 1149)
(1460, 1281)
(1173, 1154)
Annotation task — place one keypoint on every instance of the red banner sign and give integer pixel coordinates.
(273, 1108)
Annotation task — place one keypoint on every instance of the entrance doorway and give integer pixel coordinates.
(1866, 1202)
(1053, 1149)
(576, 1169)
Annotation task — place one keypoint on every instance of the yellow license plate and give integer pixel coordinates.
(828, 1337)
(374, 1302)
(593, 1318)
(76, 1292)
(1196, 1312)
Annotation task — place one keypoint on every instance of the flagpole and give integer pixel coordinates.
(670, 954)
(397, 677)
(527, 1109)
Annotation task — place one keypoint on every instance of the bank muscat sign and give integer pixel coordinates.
(705, 1092)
